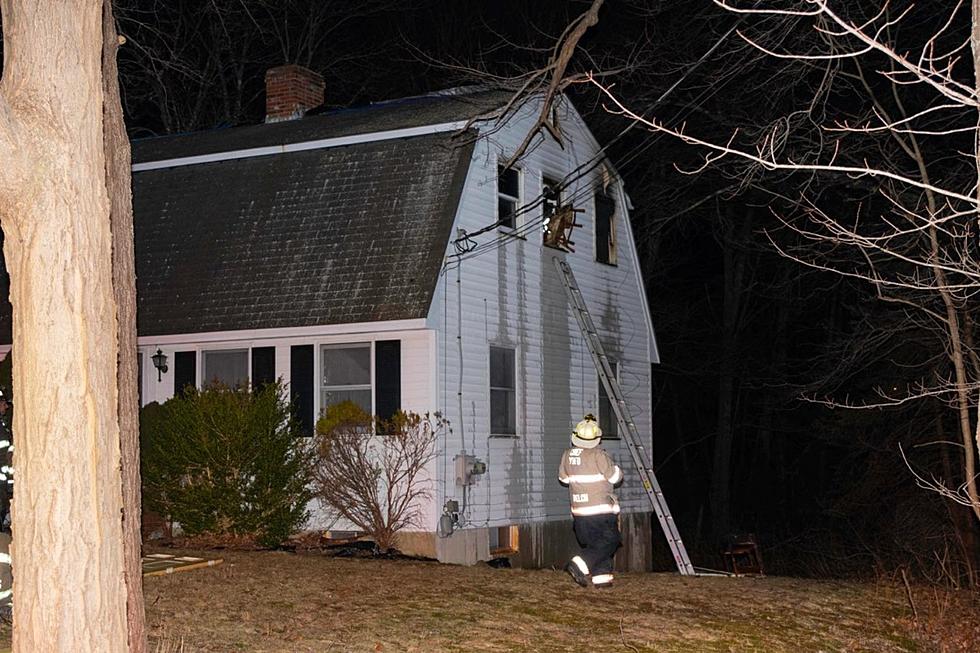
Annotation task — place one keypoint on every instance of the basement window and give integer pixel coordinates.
(607, 418)
(508, 196)
(504, 540)
(503, 392)
(228, 367)
(605, 229)
(346, 375)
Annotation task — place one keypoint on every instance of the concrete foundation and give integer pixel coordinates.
(540, 544)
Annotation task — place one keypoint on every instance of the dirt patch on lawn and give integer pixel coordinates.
(278, 602)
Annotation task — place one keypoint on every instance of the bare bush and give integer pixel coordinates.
(372, 472)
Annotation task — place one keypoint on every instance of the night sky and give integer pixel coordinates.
(749, 338)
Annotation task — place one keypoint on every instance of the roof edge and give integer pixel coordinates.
(301, 146)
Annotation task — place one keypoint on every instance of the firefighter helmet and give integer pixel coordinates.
(587, 433)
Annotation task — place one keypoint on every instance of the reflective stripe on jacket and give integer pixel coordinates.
(590, 475)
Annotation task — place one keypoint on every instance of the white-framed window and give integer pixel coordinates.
(345, 375)
(605, 227)
(503, 391)
(226, 366)
(508, 196)
(607, 417)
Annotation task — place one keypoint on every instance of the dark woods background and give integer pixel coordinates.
(752, 341)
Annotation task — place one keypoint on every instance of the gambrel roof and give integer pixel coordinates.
(335, 218)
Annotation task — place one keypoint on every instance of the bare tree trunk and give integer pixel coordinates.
(67, 540)
(118, 185)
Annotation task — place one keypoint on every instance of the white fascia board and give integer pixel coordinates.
(654, 349)
(245, 335)
(300, 147)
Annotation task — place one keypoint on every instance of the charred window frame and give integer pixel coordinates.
(605, 228)
(550, 200)
(508, 196)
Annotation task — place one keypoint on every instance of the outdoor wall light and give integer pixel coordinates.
(160, 362)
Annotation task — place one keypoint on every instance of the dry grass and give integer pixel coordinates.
(279, 602)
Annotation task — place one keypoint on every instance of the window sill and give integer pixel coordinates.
(504, 435)
(612, 265)
(503, 552)
(512, 232)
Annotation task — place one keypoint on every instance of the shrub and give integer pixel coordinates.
(372, 472)
(227, 461)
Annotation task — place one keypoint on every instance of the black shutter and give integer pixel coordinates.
(263, 367)
(605, 207)
(185, 372)
(387, 378)
(301, 385)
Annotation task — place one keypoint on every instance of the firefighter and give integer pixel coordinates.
(591, 475)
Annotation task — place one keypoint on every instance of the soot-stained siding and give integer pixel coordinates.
(329, 236)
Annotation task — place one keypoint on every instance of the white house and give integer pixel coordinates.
(383, 255)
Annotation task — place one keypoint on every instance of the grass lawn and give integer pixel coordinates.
(279, 602)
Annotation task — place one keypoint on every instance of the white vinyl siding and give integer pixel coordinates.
(510, 295)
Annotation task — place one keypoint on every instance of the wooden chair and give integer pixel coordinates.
(741, 555)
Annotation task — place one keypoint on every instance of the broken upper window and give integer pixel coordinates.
(503, 392)
(551, 200)
(605, 228)
(508, 196)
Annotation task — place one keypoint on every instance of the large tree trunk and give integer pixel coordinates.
(70, 588)
(118, 185)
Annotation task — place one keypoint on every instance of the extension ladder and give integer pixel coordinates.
(630, 434)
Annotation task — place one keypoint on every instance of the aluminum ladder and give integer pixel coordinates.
(628, 427)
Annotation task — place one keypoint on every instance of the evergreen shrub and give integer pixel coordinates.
(227, 462)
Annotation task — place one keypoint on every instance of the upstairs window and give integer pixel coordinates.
(605, 229)
(503, 392)
(346, 375)
(607, 417)
(226, 366)
(508, 196)
(551, 200)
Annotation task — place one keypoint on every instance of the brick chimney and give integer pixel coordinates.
(291, 91)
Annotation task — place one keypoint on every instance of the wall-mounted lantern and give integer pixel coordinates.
(160, 362)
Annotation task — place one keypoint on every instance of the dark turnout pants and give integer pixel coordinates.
(598, 535)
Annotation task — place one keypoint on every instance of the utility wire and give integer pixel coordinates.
(467, 250)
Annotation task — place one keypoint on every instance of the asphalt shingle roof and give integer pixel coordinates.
(328, 236)
(352, 233)
(397, 114)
